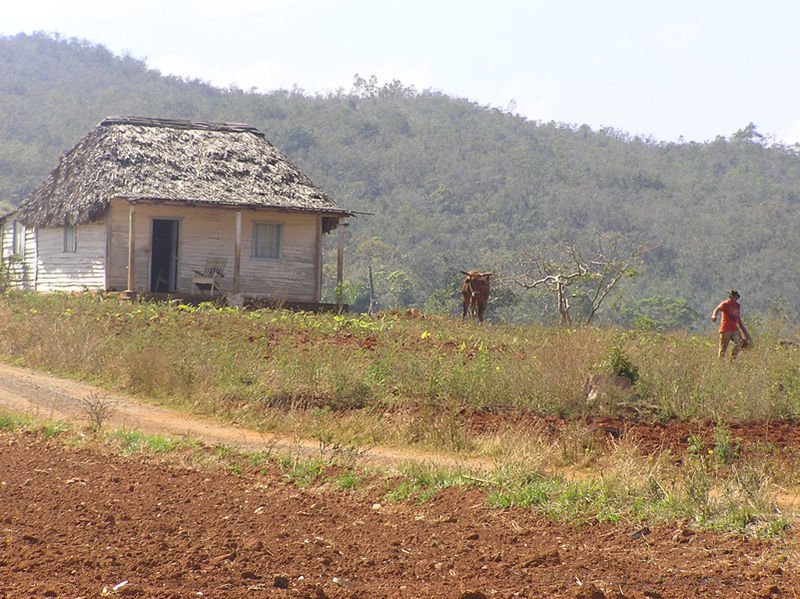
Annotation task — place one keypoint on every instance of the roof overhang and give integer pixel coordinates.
(135, 199)
(5, 216)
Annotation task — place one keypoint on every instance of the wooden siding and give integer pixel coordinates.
(22, 274)
(5, 240)
(83, 269)
(211, 231)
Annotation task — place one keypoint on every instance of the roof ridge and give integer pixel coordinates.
(180, 124)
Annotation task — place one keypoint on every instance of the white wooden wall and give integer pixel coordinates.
(81, 270)
(6, 239)
(22, 275)
(207, 231)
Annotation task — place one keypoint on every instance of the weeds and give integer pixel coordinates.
(618, 363)
(349, 480)
(10, 421)
(302, 473)
(52, 428)
(130, 441)
(97, 409)
(420, 482)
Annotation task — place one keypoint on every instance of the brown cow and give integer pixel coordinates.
(475, 292)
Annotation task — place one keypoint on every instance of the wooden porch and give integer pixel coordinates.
(248, 303)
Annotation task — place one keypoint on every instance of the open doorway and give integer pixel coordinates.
(164, 256)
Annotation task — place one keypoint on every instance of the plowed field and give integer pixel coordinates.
(80, 521)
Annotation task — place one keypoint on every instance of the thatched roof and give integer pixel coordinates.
(225, 164)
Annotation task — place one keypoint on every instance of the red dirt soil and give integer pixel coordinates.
(650, 437)
(81, 521)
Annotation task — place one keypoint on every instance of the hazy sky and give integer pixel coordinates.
(671, 68)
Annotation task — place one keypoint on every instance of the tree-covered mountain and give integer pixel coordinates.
(451, 185)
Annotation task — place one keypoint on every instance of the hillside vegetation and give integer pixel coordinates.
(449, 185)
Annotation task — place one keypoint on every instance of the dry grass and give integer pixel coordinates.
(395, 379)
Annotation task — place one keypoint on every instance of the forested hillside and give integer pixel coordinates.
(453, 185)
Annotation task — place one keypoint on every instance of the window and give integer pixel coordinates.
(70, 239)
(267, 240)
(19, 239)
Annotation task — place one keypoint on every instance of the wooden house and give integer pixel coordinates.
(143, 204)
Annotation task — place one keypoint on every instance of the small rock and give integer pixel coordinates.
(589, 591)
(253, 545)
(226, 557)
(551, 557)
(281, 582)
(598, 386)
(473, 595)
(653, 594)
(130, 591)
(682, 535)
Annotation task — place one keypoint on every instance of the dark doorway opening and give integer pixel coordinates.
(164, 256)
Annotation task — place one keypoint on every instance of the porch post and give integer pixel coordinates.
(237, 257)
(131, 245)
(318, 260)
(340, 264)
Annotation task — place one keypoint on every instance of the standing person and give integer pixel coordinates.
(730, 324)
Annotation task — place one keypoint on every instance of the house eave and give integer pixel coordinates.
(135, 199)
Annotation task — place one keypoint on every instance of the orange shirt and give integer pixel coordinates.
(730, 316)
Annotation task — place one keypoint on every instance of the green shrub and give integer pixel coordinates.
(619, 363)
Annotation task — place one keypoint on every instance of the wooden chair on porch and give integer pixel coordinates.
(210, 276)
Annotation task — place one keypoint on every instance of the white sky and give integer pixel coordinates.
(660, 68)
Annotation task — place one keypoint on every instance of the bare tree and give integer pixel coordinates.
(565, 265)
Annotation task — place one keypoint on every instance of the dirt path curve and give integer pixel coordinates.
(42, 395)
(45, 396)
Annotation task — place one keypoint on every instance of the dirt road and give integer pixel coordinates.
(39, 394)
(46, 396)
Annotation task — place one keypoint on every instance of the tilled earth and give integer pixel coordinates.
(77, 520)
